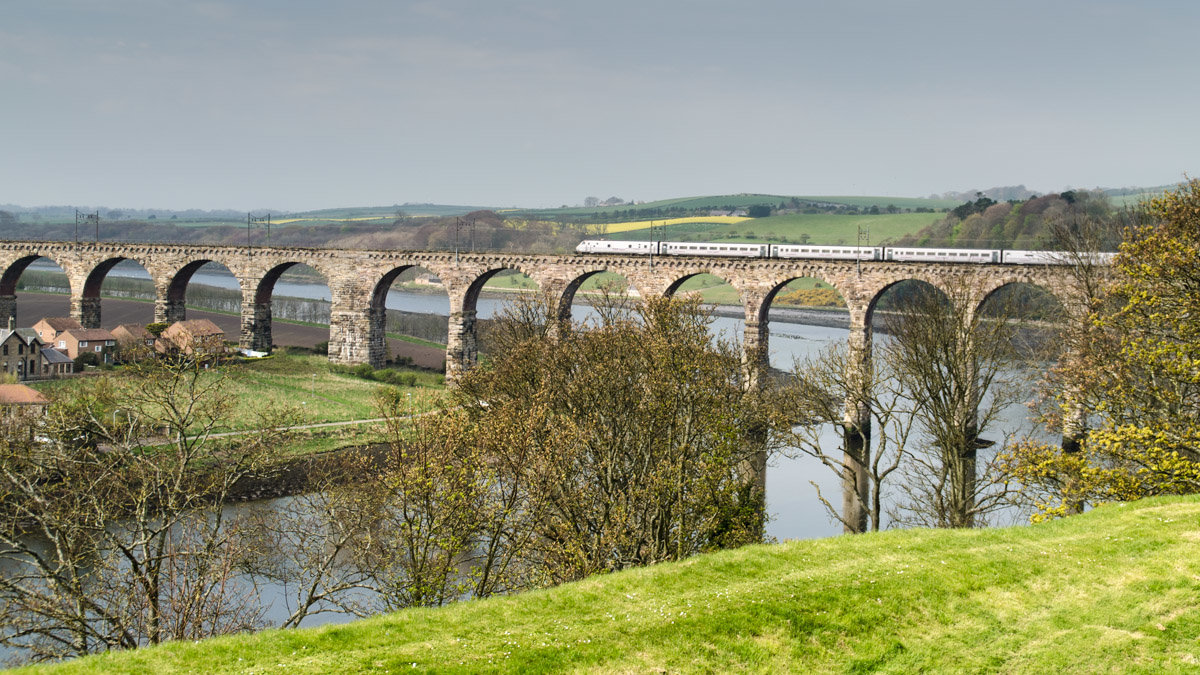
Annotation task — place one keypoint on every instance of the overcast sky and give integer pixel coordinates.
(303, 104)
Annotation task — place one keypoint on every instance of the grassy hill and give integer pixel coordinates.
(816, 228)
(746, 200)
(1111, 590)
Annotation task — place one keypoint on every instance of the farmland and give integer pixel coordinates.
(815, 228)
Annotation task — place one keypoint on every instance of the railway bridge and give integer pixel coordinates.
(359, 280)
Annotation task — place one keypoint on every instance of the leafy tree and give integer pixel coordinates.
(640, 443)
(1134, 368)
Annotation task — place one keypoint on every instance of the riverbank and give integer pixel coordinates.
(1113, 588)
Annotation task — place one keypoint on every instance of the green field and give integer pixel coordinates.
(307, 384)
(747, 200)
(819, 228)
(1112, 590)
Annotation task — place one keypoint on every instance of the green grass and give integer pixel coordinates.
(821, 228)
(1111, 590)
(747, 200)
(306, 383)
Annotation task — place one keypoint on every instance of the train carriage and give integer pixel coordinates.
(946, 255)
(824, 252)
(714, 249)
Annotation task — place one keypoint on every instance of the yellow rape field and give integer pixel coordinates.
(613, 228)
(285, 221)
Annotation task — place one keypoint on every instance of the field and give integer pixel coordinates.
(1112, 590)
(747, 200)
(817, 228)
(315, 390)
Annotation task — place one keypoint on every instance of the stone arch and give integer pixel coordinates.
(171, 303)
(873, 301)
(566, 299)
(15, 268)
(95, 277)
(779, 284)
(377, 310)
(85, 306)
(760, 316)
(265, 286)
(1046, 285)
(256, 303)
(471, 296)
(11, 274)
(680, 278)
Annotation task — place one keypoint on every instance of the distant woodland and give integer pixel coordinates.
(1016, 224)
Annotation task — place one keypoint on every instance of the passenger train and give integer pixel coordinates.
(806, 251)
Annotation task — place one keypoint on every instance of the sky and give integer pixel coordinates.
(294, 105)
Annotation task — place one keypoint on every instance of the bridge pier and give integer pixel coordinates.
(256, 326)
(86, 310)
(8, 310)
(170, 305)
(376, 342)
(351, 339)
(462, 350)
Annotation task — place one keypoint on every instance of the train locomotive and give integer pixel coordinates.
(818, 252)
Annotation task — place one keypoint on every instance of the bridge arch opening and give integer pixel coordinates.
(727, 304)
(489, 296)
(583, 294)
(1037, 320)
(801, 320)
(409, 300)
(802, 315)
(497, 288)
(291, 308)
(122, 279)
(43, 286)
(204, 285)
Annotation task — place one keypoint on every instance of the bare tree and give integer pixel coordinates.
(960, 369)
(817, 395)
(112, 530)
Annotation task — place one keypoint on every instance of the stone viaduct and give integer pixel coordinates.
(359, 280)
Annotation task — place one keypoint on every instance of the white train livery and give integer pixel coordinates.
(806, 251)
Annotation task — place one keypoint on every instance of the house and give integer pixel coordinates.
(132, 335)
(49, 328)
(20, 352)
(18, 401)
(191, 336)
(56, 363)
(78, 341)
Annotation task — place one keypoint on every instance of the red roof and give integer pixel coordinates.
(60, 323)
(89, 334)
(19, 394)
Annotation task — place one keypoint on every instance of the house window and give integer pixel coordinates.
(62, 344)
(99, 347)
(6, 350)
(83, 343)
(20, 349)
